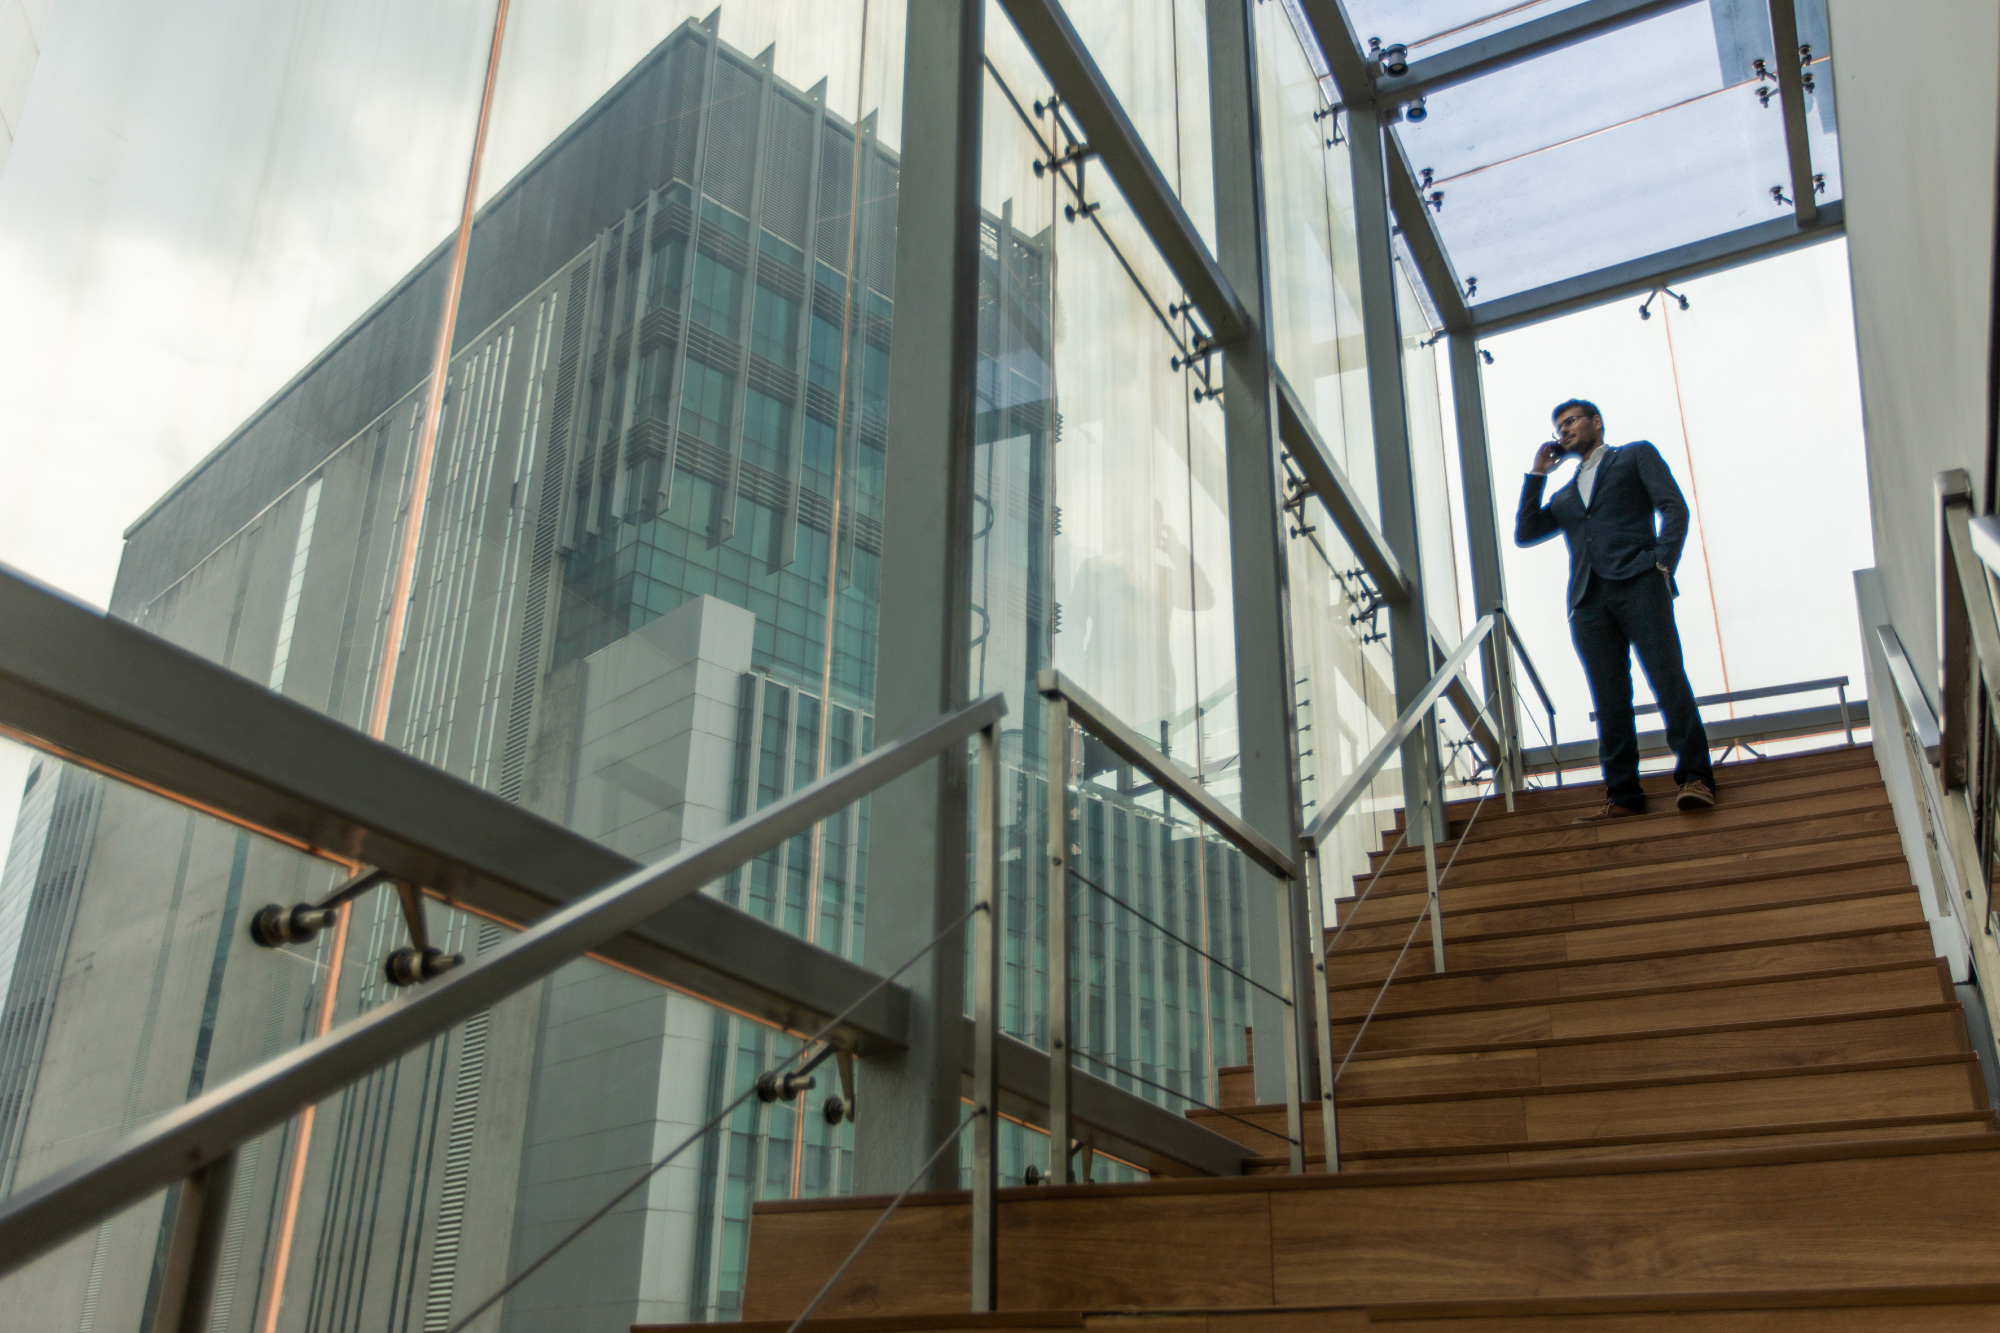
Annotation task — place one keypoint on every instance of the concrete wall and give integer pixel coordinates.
(1917, 85)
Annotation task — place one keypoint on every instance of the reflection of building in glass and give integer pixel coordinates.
(670, 381)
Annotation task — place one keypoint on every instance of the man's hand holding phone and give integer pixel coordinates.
(1547, 457)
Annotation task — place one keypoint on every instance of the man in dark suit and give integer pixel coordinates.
(1621, 591)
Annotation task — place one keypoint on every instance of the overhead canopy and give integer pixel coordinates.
(1596, 146)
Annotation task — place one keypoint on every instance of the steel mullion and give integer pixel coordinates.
(1792, 97)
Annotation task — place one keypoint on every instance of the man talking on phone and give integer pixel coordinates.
(1621, 596)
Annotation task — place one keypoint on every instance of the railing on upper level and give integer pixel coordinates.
(1956, 757)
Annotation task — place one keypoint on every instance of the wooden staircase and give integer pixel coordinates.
(1698, 1070)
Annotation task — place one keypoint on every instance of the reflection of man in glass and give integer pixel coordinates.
(1126, 600)
(1621, 591)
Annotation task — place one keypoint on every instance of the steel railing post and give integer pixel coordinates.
(1059, 1025)
(1295, 1054)
(1430, 814)
(1322, 1003)
(986, 1025)
(1508, 769)
(194, 1247)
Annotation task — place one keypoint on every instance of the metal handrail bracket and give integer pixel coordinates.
(42, 1214)
(1358, 781)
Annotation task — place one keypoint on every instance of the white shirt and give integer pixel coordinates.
(1586, 474)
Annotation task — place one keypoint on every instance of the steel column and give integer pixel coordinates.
(1266, 720)
(1482, 538)
(1409, 625)
(1060, 1062)
(986, 1027)
(917, 861)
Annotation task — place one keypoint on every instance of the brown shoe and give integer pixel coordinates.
(1696, 795)
(1609, 810)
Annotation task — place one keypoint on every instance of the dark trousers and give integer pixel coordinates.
(1615, 617)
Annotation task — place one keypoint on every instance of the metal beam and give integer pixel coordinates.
(1792, 97)
(1712, 255)
(1326, 479)
(1109, 134)
(1353, 73)
(112, 697)
(1511, 46)
(1267, 718)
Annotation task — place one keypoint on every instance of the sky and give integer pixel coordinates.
(201, 194)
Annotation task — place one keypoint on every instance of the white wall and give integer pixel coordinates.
(1917, 83)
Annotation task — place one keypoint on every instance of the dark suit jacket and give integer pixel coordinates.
(1615, 538)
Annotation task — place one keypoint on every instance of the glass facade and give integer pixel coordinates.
(590, 514)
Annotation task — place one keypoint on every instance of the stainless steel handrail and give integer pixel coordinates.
(205, 1131)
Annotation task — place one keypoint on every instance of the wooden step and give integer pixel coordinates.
(1708, 867)
(1236, 1085)
(1486, 844)
(1958, 1306)
(1885, 910)
(1581, 795)
(1835, 1218)
(1493, 821)
(1951, 1125)
(1469, 989)
(1668, 852)
(1937, 1029)
(1916, 982)
(1375, 924)
(1594, 1113)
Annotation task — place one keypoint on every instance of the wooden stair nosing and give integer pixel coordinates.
(1497, 822)
(1571, 927)
(1987, 1119)
(1504, 969)
(1276, 1111)
(1654, 1034)
(1889, 854)
(1655, 824)
(1814, 1298)
(1671, 988)
(1736, 775)
(1728, 1158)
(1827, 829)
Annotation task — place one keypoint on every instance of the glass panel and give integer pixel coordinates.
(1427, 27)
(1315, 278)
(1139, 552)
(1549, 169)
(1346, 693)
(1438, 521)
(1156, 61)
(659, 446)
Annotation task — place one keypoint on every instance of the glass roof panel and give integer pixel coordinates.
(1823, 127)
(1427, 27)
(1678, 175)
(1572, 91)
